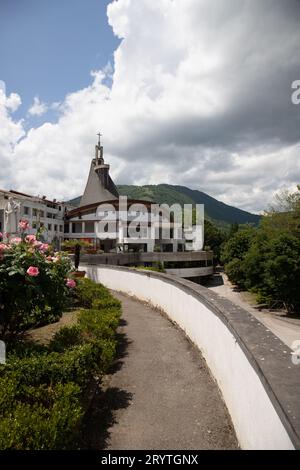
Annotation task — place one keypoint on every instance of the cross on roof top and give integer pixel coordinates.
(99, 135)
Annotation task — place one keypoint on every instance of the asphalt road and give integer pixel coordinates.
(170, 400)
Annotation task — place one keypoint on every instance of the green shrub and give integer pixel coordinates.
(106, 303)
(20, 349)
(33, 288)
(66, 337)
(47, 420)
(156, 268)
(99, 323)
(87, 291)
(42, 389)
(76, 365)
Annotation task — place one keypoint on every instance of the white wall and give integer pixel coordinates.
(191, 272)
(255, 419)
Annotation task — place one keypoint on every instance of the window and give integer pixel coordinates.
(55, 228)
(26, 210)
(49, 215)
(49, 227)
(89, 227)
(34, 212)
(61, 228)
(76, 227)
(67, 228)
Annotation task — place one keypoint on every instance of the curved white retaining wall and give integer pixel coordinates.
(255, 419)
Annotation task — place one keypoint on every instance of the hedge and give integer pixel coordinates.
(43, 389)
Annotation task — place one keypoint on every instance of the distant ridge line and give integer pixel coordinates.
(216, 211)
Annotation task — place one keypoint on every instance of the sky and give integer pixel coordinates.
(189, 92)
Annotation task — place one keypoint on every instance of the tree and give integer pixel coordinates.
(213, 237)
(282, 272)
(284, 214)
(238, 245)
(235, 272)
(253, 263)
(233, 229)
(267, 260)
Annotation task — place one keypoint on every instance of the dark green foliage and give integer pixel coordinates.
(66, 337)
(267, 260)
(39, 417)
(213, 239)
(107, 303)
(238, 245)
(99, 324)
(282, 271)
(87, 291)
(42, 389)
(233, 229)
(235, 272)
(75, 364)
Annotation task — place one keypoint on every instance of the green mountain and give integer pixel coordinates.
(218, 212)
(169, 194)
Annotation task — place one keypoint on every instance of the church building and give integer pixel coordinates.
(113, 223)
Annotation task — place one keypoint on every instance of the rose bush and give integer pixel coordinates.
(33, 283)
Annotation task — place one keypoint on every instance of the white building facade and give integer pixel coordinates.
(40, 212)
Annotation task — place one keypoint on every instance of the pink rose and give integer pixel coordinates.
(24, 224)
(16, 240)
(71, 283)
(30, 238)
(3, 247)
(44, 247)
(49, 258)
(37, 244)
(33, 271)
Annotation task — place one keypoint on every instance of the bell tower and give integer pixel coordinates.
(100, 187)
(100, 167)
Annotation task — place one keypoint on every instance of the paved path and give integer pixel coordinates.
(174, 403)
(288, 330)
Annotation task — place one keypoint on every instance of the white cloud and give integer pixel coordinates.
(38, 108)
(10, 133)
(200, 97)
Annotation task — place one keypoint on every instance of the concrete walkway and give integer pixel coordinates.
(173, 401)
